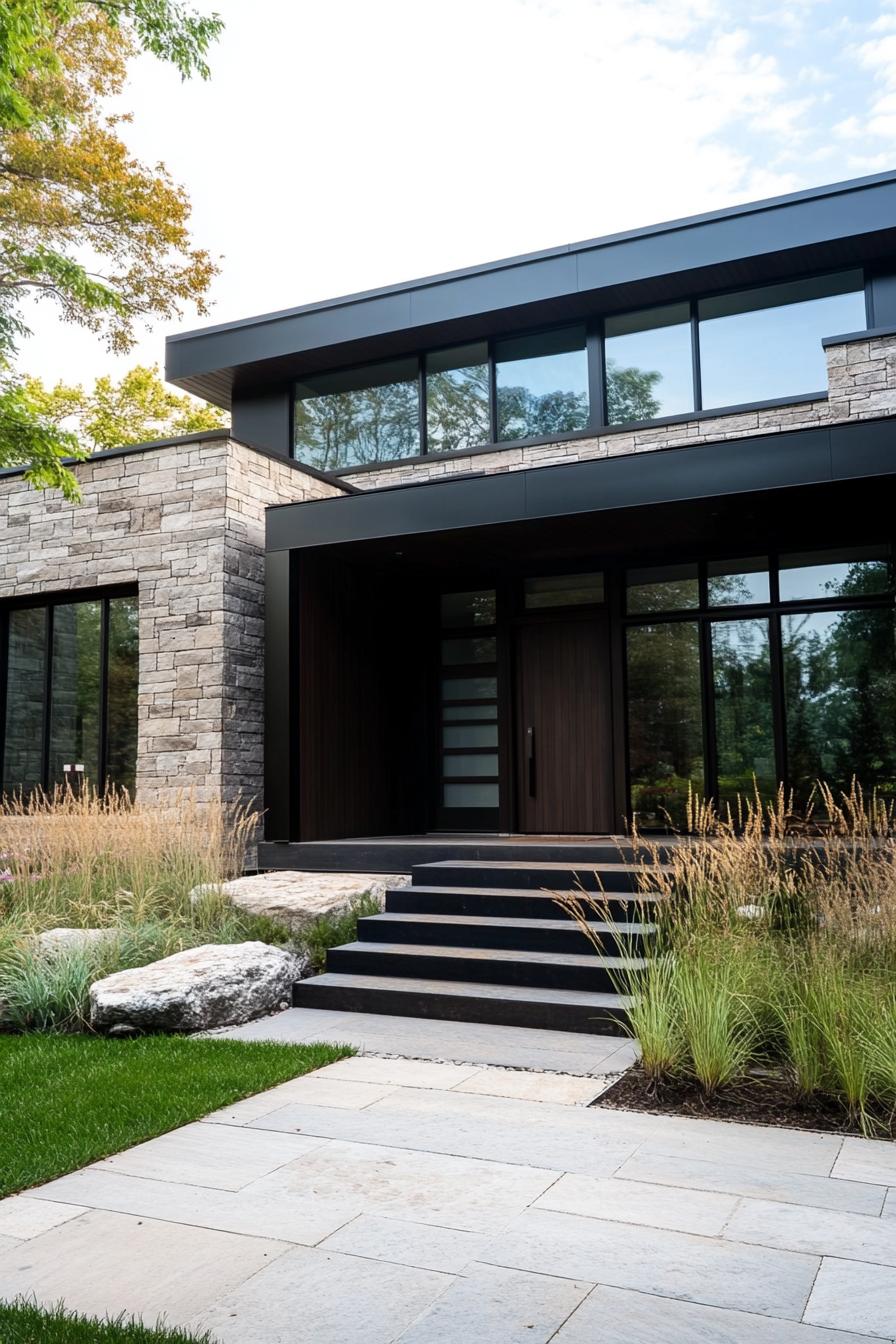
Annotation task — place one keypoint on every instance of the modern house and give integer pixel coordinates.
(518, 551)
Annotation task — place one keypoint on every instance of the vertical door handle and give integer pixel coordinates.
(530, 758)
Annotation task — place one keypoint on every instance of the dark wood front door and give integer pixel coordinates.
(563, 743)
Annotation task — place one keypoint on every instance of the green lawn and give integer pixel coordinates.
(23, 1323)
(69, 1100)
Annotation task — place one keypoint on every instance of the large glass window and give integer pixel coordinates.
(72, 719)
(745, 735)
(542, 384)
(121, 693)
(840, 698)
(457, 399)
(23, 731)
(665, 723)
(75, 694)
(760, 344)
(804, 692)
(362, 415)
(649, 364)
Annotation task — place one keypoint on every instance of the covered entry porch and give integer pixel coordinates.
(532, 658)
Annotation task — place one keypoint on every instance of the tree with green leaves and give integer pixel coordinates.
(83, 224)
(136, 409)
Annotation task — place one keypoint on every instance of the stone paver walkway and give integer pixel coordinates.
(466, 1042)
(381, 1200)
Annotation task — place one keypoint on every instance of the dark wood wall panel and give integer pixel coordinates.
(362, 740)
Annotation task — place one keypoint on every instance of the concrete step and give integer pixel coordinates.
(510, 902)
(458, 1001)
(487, 931)
(566, 876)
(587, 971)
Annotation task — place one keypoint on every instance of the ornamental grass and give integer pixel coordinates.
(102, 861)
(775, 951)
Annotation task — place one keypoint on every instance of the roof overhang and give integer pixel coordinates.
(847, 224)
(772, 462)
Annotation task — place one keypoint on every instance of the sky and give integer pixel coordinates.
(346, 144)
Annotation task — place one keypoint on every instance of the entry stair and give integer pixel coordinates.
(485, 941)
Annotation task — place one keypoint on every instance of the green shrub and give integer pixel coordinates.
(333, 930)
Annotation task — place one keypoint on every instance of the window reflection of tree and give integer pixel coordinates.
(373, 424)
(523, 414)
(631, 394)
(457, 409)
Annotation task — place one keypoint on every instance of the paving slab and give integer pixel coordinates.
(216, 1155)
(853, 1296)
(23, 1217)
(690, 1173)
(618, 1316)
(452, 1042)
(250, 1212)
(850, 1236)
(872, 1160)
(669, 1264)
(402, 1072)
(109, 1263)
(500, 1306)
(320, 1296)
(636, 1202)
(563, 1089)
(419, 1186)
(425, 1245)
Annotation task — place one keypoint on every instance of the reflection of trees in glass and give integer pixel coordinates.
(862, 579)
(630, 394)
(25, 664)
(647, 599)
(523, 414)
(457, 409)
(665, 722)
(121, 721)
(372, 424)
(840, 693)
(745, 739)
(75, 692)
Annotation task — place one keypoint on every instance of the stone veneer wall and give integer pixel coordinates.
(185, 522)
(861, 385)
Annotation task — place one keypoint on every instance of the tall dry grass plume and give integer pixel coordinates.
(104, 862)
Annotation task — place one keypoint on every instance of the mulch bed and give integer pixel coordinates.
(762, 1099)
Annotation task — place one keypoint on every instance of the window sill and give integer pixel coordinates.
(592, 432)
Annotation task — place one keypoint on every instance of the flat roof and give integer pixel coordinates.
(843, 224)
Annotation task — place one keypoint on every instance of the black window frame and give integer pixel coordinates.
(595, 354)
(705, 616)
(48, 602)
